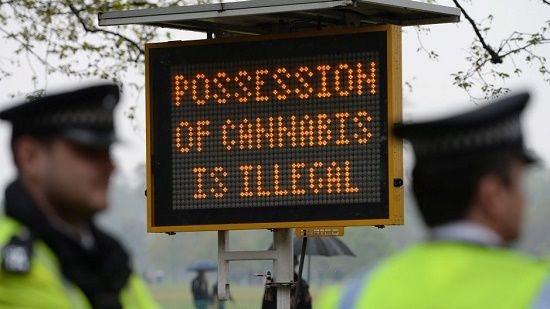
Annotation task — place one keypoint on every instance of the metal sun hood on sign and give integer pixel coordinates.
(275, 16)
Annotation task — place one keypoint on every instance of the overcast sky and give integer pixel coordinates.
(432, 94)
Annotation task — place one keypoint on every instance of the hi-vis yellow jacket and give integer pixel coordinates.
(447, 275)
(43, 286)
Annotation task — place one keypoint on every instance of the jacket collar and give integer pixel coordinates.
(468, 232)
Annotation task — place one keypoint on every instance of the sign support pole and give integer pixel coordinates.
(223, 265)
(282, 256)
(283, 265)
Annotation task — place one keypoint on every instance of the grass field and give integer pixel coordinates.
(172, 297)
(176, 297)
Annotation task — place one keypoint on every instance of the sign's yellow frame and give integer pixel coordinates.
(395, 146)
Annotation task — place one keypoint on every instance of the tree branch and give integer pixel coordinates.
(430, 53)
(87, 28)
(523, 47)
(495, 58)
(26, 47)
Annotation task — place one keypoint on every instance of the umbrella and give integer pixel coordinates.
(203, 265)
(323, 246)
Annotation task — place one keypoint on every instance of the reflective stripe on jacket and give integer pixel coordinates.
(448, 275)
(43, 286)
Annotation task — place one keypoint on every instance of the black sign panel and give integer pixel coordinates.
(274, 132)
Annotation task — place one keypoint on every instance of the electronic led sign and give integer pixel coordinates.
(280, 131)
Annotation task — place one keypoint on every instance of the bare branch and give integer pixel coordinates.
(495, 58)
(518, 49)
(91, 29)
(26, 47)
(430, 53)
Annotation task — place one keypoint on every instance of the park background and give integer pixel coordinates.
(428, 92)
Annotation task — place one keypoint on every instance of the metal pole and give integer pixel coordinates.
(283, 265)
(223, 265)
(297, 290)
(308, 267)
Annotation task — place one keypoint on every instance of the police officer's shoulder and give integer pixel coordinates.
(17, 252)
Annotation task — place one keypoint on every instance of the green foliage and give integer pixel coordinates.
(489, 76)
(64, 37)
(492, 65)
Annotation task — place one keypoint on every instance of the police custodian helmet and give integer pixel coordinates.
(494, 126)
(83, 116)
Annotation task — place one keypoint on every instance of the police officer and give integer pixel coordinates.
(199, 289)
(467, 183)
(52, 253)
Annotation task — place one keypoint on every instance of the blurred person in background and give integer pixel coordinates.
(467, 182)
(52, 253)
(199, 289)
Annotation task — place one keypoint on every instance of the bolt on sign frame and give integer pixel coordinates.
(275, 131)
